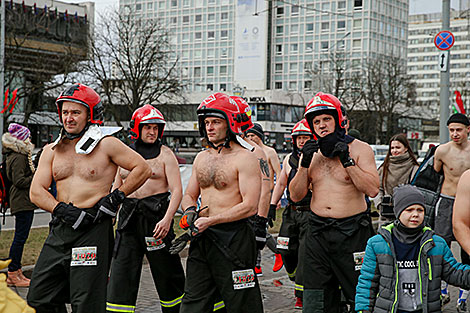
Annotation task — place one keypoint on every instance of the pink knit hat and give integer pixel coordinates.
(19, 131)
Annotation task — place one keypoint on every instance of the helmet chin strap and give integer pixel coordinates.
(225, 144)
(74, 136)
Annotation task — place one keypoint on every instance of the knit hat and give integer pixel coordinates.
(257, 129)
(18, 131)
(458, 118)
(404, 197)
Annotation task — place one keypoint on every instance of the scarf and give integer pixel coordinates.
(407, 235)
(399, 169)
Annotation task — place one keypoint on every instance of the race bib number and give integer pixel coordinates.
(154, 244)
(243, 279)
(358, 260)
(282, 243)
(84, 256)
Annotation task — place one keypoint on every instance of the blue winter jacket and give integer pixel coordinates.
(377, 287)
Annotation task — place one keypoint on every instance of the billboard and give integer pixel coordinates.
(251, 44)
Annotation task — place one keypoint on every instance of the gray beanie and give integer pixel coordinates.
(405, 196)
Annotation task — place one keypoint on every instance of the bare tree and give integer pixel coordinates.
(387, 92)
(132, 64)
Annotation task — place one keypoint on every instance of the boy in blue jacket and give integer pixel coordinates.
(404, 264)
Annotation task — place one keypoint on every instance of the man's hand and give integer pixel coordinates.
(178, 244)
(109, 205)
(272, 214)
(308, 150)
(259, 228)
(190, 215)
(72, 215)
(162, 228)
(342, 151)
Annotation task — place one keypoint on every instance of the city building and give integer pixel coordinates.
(423, 58)
(273, 53)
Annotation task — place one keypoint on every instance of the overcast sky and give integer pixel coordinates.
(416, 6)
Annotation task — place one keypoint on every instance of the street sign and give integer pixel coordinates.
(444, 40)
(443, 60)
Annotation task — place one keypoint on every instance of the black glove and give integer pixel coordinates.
(342, 151)
(259, 228)
(109, 205)
(178, 244)
(308, 150)
(71, 215)
(190, 215)
(272, 214)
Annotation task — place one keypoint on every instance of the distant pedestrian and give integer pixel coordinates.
(398, 168)
(17, 149)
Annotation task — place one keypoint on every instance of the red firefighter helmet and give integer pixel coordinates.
(245, 115)
(323, 103)
(146, 114)
(83, 95)
(301, 128)
(222, 106)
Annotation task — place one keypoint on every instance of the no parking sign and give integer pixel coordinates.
(444, 40)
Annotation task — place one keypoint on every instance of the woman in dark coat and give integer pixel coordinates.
(17, 149)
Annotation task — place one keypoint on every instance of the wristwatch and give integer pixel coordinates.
(349, 163)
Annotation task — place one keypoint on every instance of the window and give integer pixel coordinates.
(223, 70)
(198, 35)
(325, 26)
(173, 20)
(309, 27)
(292, 85)
(308, 85)
(278, 49)
(295, 10)
(294, 29)
(186, 3)
(309, 47)
(198, 18)
(325, 6)
(197, 72)
(149, 6)
(185, 36)
(174, 3)
(278, 68)
(210, 87)
(356, 44)
(307, 66)
(224, 16)
(211, 1)
(341, 24)
(223, 52)
(340, 45)
(278, 85)
(280, 11)
(197, 54)
(186, 19)
(324, 45)
(211, 17)
(223, 33)
(211, 53)
(293, 67)
(185, 54)
(223, 87)
(279, 30)
(138, 7)
(294, 47)
(210, 71)
(341, 5)
(161, 4)
(211, 34)
(357, 23)
(357, 4)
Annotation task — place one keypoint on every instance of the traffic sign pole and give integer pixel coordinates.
(445, 77)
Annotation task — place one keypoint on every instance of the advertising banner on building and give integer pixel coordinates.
(251, 44)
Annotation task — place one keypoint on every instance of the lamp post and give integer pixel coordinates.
(2, 65)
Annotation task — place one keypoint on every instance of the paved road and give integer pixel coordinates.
(277, 290)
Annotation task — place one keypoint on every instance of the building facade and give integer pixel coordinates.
(274, 51)
(423, 60)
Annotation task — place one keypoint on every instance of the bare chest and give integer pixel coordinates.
(86, 167)
(216, 171)
(457, 164)
(328, 170)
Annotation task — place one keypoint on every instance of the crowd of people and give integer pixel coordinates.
(326, 243)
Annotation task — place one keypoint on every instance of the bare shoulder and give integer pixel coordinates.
(200, 157)
(243, 155)
(112, 143)
(259, 152)
(464, 181)
(358, 147)
(270, 152)
(167, 153)
(47, 153)
(443, 149)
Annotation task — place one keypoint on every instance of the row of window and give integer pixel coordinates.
(210, 35)
(209, 53)
(198, 18)
(426, 31)
(309, 27)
